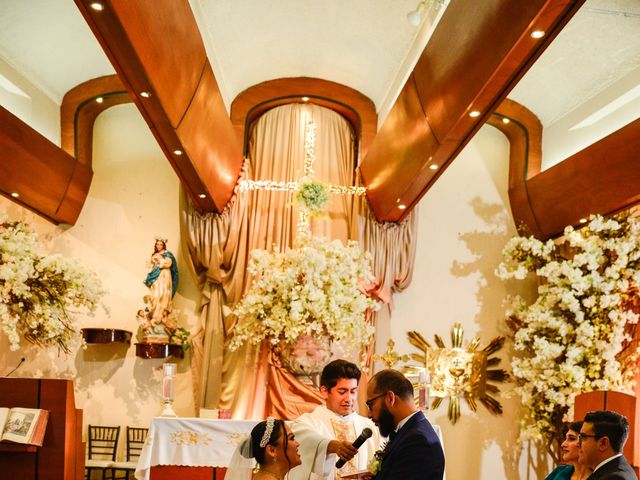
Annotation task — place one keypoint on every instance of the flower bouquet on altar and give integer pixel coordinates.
(314, 289)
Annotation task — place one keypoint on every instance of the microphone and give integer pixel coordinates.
(357, 443)
(16, 367)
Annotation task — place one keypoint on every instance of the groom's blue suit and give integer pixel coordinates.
(414, 454)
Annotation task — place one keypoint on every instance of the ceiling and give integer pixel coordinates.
(247, 41)
(251, 41)
(597, 48)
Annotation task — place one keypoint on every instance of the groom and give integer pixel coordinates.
(414, 451)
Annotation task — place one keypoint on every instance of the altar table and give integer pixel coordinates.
(192, 442)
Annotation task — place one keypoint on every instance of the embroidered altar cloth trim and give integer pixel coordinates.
(193, 442)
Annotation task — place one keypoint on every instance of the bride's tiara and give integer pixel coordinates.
(267, 432)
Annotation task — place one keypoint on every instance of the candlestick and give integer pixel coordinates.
(168, 374)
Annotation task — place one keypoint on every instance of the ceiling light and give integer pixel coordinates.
(537, 34)
(402, 206)
(583, 220)
(506, 120)
(305, 99)
(99, 99)
(474, 113)
(433, 166)
(415, 16)
(15, 194)
(145, 94)
(178, 152)
(97, 6)
(203, 195)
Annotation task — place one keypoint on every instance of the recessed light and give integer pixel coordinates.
(433, 166)
(583, 220)
(402, 206)
(506, 120)
(178, 152)
(15, 194)
(99, 99)
(537, 34)
(97, 6)
(203, 195)
(145, 94)
(305, 99)
(474, 113)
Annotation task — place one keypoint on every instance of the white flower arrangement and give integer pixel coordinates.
(312, 196)
(313, 289)
(569, 340)
(38, 293)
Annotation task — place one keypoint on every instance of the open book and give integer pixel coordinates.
(23, 425)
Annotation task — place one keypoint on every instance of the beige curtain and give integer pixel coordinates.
(393, 248)
(249, 381)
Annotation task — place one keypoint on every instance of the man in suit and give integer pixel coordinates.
(414, 451)
(602, 437)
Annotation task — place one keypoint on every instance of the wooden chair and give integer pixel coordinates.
(136, 437)
(102, 447)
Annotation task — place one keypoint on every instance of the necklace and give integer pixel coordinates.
(270, 474)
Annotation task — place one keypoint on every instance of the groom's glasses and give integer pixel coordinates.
(582, 436)
(369, 402)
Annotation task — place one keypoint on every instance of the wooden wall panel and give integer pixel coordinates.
(476, 54)
(358, 109)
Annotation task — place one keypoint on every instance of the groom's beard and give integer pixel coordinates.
(386, 424)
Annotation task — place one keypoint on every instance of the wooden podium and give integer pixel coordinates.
(61, 456)
(627, 405)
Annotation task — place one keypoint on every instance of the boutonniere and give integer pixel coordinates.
(376, 461)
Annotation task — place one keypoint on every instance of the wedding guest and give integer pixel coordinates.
(414, 451)
(602, 437)
(327, 433)
(272, 445)
(570, 448)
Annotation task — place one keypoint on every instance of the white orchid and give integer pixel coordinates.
(569, 339)
(39, 293)
(313, 289)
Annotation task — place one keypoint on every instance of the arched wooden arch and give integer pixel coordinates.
(603, 178)
(359, 110)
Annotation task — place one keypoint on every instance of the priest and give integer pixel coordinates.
(326, 434)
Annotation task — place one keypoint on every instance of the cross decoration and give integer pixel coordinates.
(309, 159)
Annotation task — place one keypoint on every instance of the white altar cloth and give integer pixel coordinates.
(194, 442)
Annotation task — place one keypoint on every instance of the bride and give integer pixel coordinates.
(272, 445)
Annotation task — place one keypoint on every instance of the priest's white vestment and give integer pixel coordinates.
(315, 430)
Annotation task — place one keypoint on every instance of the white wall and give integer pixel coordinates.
(23, 99)
(464, 221)
(133, 197)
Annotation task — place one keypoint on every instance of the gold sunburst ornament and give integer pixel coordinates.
(461, 372)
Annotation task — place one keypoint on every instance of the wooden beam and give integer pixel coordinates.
(356, 108)
(79, 110)
(467, 65)
(603, 178)
(48, 180)
(524, 132)
(155, 47)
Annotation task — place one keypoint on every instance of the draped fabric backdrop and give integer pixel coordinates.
(250, 382)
